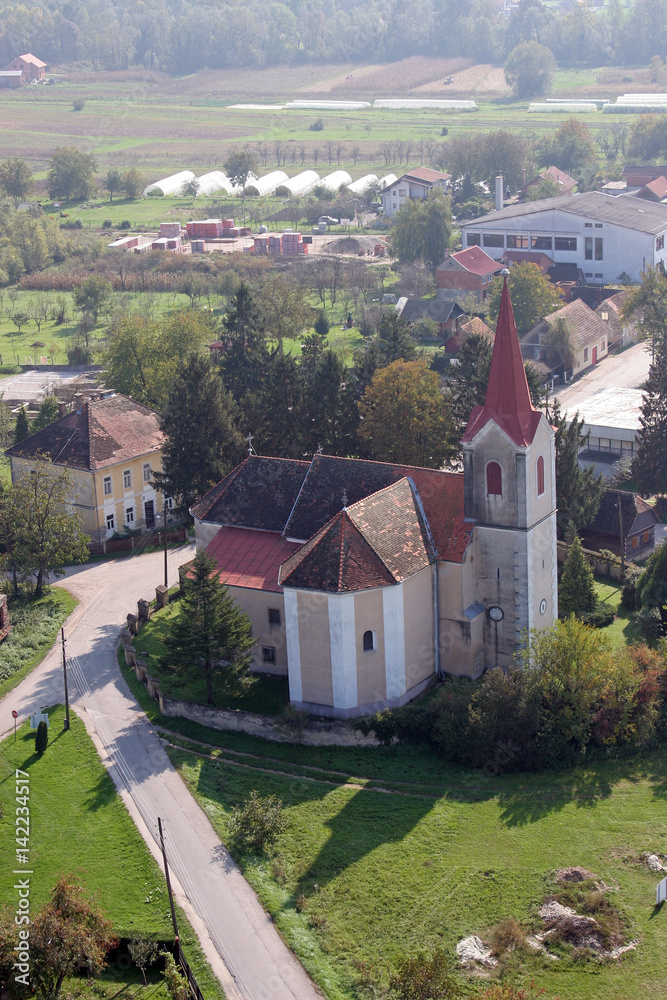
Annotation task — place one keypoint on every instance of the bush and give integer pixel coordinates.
(649, 621)
(629, 592)
(257, 823)
(504, 720)
(125, 224)
(322, 324)
(107, 224)
(155, 193)
(506, 936)
(80, 355)
(601, 615)
(79, 103)
(424, 978)
(316, 126)
(41, 738)
(78, 224)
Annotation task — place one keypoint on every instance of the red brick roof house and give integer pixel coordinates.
(470, 270)
(31, 67)
(365, 581)
(655, 190)
(566, 184)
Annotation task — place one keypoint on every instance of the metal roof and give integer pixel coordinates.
(619, 210)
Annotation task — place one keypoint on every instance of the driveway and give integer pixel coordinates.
(241, 943)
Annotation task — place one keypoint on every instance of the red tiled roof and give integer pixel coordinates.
(658, 187)
(507, 401)
(30, 58)
(564, 181)
(337, 559)
(543, 261)
(252, 559)
(476, 261)
(103, 433)
(428, 175)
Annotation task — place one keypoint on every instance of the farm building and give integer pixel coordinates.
(336, 179)
(267, 184)
(328, 105)
(301, 184)
(361, 186)
(601, 234)
(214, 181)
(416, 184)
(28, 64)
(171, 185)
(11, 79)
(469, 270)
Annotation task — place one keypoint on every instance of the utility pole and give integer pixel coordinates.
(622, 539)
(62, 633)
(164, 513)
(166, 875)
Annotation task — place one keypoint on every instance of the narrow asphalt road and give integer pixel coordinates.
(241, 943)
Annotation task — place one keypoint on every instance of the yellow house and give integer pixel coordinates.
(111, 447)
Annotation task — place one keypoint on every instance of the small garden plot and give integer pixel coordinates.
(35, 626)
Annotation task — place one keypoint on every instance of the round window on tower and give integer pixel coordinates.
(543, 606)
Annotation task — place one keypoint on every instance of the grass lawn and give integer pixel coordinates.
(35, 628)
(79, 825)
(623, 630)
(361, 879)
(261, 693)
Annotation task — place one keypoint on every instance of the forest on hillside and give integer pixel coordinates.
(183, 36)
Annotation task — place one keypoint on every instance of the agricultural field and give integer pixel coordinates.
(161, 124)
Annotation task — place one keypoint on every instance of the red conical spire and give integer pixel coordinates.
(507, 401)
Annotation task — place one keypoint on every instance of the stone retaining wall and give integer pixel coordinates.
(268, 727)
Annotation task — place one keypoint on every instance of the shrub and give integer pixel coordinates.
(316, 126)
(107, 224)
(322, 324)
(80, 355)
(424, 978)
(125, 224)
(257, 823)
(78, 224)
(293, 722)
(649, 621)
(143, 953)
(41, 738)
(504, 720)
(79, 103)
(629, 592)
(601, 615)
(506, 936)
(155, 193)
(576, 589)
(175, 982)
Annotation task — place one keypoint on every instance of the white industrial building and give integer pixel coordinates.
(601, 234)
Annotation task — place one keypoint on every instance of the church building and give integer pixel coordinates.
(365, 581)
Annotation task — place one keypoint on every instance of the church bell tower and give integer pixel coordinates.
(510, 492)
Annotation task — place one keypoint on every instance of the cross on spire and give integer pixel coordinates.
(250, 438)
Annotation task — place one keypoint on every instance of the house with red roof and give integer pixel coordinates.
(655, 190)
(465, 271)
(415, 184)
(365, 581)
(29, 65)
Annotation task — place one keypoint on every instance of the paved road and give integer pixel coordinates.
(628, 370)
(243, 946)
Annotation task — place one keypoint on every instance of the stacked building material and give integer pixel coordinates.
(209, 229)
(227, 223)
(379, 250)
(170, 229)
(168, 243)
(292, 243)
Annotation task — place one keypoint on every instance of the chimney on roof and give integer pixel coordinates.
(78, 402)
(62, 409)
(523, 177)
(499, 192)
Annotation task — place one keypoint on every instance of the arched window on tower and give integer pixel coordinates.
(540, 476)
(494, 480)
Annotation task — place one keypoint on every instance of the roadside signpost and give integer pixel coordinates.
(15, 716)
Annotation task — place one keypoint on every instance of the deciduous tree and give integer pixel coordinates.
(15, 179)
(71, 173)
(210, 632)
(92, 296)
(239, 165)
(422, 229)
(69, 927)
(404, 417)
(113, 182)
(529, 70)
(533, 295)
